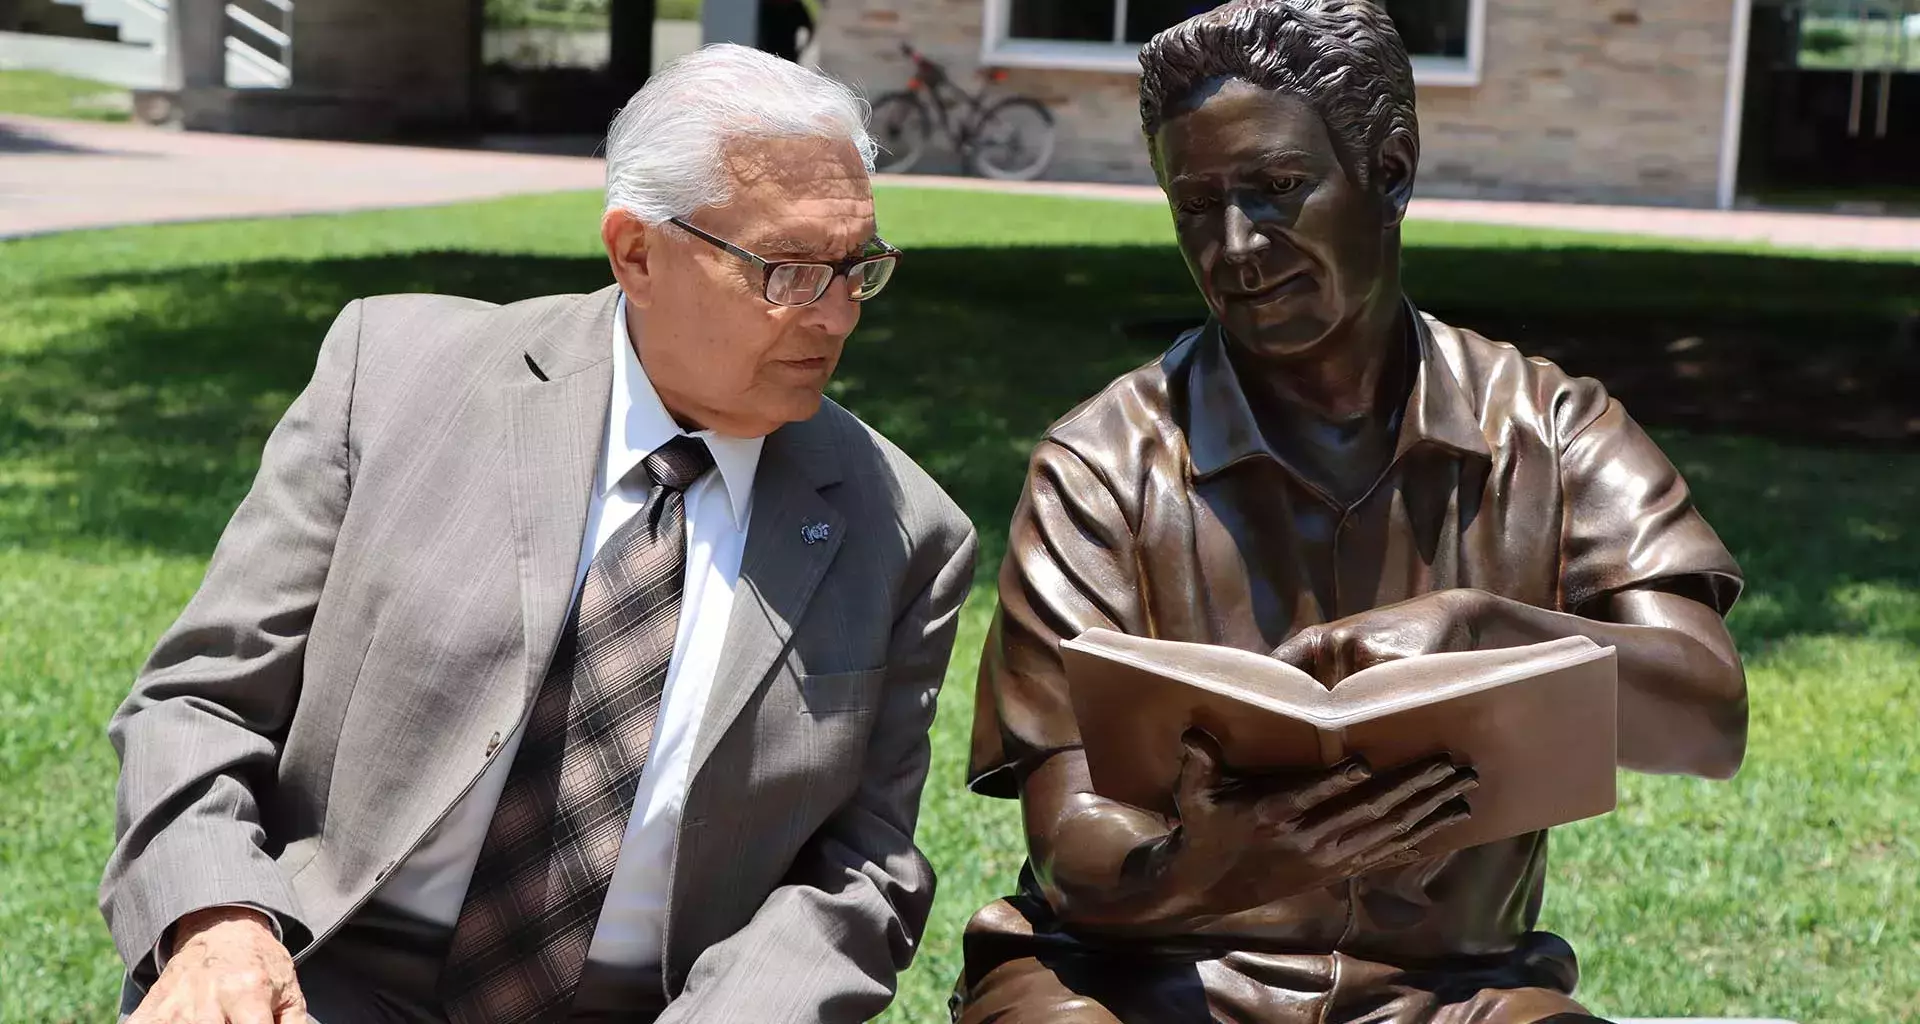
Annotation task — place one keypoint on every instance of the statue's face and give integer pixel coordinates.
(1284, 243)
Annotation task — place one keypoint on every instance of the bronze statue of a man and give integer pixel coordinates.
(1327, 474)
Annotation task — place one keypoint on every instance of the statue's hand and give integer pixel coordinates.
(1444, 620)
(1255, 839)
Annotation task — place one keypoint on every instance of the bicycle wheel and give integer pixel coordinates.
(901, 127)
(1013, 140)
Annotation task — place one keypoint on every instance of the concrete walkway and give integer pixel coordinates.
(61, 175)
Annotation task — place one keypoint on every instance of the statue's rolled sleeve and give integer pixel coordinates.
(1070, 566)
(1630, 520)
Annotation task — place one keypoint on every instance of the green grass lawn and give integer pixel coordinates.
(140, 370)
(46, 94)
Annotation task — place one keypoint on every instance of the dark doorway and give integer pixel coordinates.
(560, 69)
(1832, 112)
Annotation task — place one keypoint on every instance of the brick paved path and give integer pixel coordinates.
(56, 175)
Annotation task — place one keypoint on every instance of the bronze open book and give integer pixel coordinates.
(1537, 723)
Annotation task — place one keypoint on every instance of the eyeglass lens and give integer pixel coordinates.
(796, 284)
(869, 277)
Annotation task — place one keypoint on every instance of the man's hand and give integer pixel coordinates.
(1445, 620)
(226, 968)
(1268, 837)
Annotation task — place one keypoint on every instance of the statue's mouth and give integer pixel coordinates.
(1291, 284)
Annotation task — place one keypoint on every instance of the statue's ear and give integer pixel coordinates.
(1393, 173)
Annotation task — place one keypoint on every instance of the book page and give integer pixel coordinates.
(1539, 723)
(1255, 678)
(1433, 678)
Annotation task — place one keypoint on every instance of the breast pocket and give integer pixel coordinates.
(836, 693)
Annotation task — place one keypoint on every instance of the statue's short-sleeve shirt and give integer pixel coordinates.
(1156, 509)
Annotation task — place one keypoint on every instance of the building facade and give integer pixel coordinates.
(1590, 100)
(1810, 103)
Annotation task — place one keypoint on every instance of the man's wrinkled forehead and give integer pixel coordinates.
(799, 198)
(796, 169)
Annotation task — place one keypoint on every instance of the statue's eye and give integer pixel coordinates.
(1285, 186)
(1195, 204)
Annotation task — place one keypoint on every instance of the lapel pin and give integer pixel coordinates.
(814, 533)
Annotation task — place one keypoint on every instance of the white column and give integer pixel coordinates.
(1735, 107)
(196, 44)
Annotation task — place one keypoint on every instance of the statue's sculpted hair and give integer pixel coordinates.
(1343, 57)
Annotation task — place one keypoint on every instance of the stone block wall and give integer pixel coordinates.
(1595, 100)
(1590, 100)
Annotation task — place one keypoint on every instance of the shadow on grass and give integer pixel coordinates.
(139, 424)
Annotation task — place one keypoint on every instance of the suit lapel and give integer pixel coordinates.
(558, 436)
(794, 537)
(557, 431)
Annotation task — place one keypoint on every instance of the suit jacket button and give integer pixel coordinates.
(493, 744)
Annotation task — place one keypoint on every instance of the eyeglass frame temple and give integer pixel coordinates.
(842, 268)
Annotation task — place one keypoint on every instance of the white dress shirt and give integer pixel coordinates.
(432, 883)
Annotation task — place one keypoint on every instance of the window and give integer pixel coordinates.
(1443, 36)
(1091, 34)
(1432, 28)
(1866, 35)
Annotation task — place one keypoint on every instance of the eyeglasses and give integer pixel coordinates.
(799, 282)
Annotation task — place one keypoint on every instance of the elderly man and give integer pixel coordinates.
(571, 659)
(1325, 474)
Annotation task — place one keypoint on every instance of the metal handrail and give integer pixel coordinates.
(259, 26)
(275, 69)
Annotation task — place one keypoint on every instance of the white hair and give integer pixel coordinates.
(665, 149)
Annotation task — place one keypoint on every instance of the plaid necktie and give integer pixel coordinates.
(521, 941)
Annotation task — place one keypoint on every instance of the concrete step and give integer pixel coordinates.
(123, 64)
(52, 18)
(144, 23)
(139, 21)
(131, 67)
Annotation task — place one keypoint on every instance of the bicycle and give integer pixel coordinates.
(1010, 139)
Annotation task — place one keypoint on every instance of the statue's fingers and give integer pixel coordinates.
(1450, 814)
(1338, 781)
(1409, 818)
(1199, 768)
(1304, 650)
(1376, 801)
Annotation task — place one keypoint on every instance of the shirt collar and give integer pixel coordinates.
(638, 423)
(1221, 429)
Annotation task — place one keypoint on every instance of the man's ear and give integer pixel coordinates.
(1393, 173)
(629, 242)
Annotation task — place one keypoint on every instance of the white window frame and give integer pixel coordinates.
(997, 50)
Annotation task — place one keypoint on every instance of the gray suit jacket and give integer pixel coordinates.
(382, 607)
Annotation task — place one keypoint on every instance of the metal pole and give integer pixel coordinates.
(1886, 100)
(1859, 72)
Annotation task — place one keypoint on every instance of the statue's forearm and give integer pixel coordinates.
(1106, 866)
(1683, 695)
